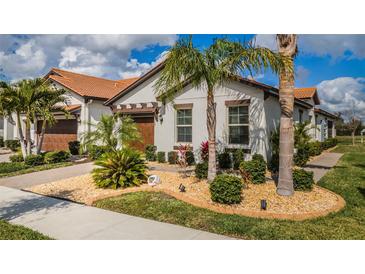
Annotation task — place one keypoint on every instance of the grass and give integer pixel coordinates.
(346, 179)
(21, 168)
(16, 232)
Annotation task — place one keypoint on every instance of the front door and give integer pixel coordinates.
(146, 127)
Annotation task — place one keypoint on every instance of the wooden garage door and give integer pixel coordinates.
(58, 136)
(146, 128)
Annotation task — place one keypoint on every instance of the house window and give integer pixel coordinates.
(238, 127)
(184, 125)
(300, 116)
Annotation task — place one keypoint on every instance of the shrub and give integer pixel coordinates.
(259, 158)
(13, 145)
(204, 151)
(6, 167)
(314, 148)
(190, 158)
(201, 170)
(172, 157)
(95, 152)
(224, 160)
(238, 157)
(161, 157)
(1, 141)
(56, 156)
(226, 189)
(330, 142)
(303, 180)
(16, 158)
(34, 160)
(74, 147)
(302, 155)
(121, 168)
(253, 171)
(150, 152)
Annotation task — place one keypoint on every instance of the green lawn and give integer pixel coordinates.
(14, 169)
(346, 179)
(16, 232)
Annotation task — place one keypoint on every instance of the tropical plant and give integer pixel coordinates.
(56, 156)
(226, 189)
(287, 44)
(201, 170)
(204, 151)
(120, 168)
(74, 147)
(224, 160)
(95, 152)
(13, 145)
(211, 68)
(172, 157)
(34, 160)
(303, 180)
(253, 171)
(161, 156)
(301, 136)
(16, 158)
(111, 131)
(238, 157)
(150, 152)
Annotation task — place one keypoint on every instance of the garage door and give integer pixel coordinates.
(59, 135)
(145, 126)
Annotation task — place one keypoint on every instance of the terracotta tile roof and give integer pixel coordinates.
(89, 86)
(71, 108)
(307, 93)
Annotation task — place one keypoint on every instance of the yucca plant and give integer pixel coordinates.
(120, 168)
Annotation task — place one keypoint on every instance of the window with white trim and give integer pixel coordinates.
(238, 125)
(184, 125)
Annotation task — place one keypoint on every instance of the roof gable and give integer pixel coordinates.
(307, 93)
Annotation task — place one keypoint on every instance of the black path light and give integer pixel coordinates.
(263, 204)
(182, 188)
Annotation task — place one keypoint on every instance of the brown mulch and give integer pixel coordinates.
(300, 206)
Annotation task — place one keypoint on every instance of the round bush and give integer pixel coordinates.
(56, 157)
(315, 148)
(224, 160)
(161, 157)
(226, 189)
(303, 180)
(150, 152)
(190, 159)
(302, 155)
(74, 147)
(172, 157)
(16, 158)
(201, 170)
(34, 160)
(253, 171)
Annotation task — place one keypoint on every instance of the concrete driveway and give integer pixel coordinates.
(46, 176)
(65, 220)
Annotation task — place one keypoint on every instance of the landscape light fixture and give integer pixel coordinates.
(263, 204)
(182, 188)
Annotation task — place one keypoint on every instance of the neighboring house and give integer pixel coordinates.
(247, 113)
(85, 99)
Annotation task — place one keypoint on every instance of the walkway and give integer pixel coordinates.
(46, 176)
(4, 157)
(322, 164)
(61, 219)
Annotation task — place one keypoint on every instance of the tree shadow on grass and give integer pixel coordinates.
(362, 191)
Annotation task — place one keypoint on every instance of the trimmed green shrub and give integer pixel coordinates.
(121, 168)
(74, 147)
(328, 143)
(238, 157)
(224, 160)
(6, 167)
(16, 158)
(150, 152)
(253, 171)
(172, 157)
(303, 180)
(1, 141)
(302, 155)
(95, 152)
(259, 158)
(201, 170)
(314, 148)
(190, 159)
(13, 145)
(226, 189)
(161, 157)
(34, 160)
(56, 157)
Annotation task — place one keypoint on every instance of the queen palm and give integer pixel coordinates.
(287, 44)
(209, 69)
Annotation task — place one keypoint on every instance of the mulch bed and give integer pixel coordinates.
(300, 206)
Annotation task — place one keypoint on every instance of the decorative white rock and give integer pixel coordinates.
(153, 180)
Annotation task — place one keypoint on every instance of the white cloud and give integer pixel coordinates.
(342, 94)
(99, 55)
(335, 46)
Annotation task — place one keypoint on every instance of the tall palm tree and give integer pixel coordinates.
(46, 106)
(111, 131)
(209, 69)
(287, 45)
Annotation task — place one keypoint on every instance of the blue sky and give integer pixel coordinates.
(333, 63)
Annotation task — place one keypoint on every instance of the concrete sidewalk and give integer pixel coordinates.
(61, 219)
(46, 176)
(322, 164)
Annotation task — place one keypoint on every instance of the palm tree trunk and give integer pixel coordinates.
(287, 47)
(27, 136)
(353, 137)
(21, 135)
(211, 126)
(41, 136)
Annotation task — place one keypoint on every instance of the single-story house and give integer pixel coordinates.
(247, 112)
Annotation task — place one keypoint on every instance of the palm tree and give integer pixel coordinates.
(209, 69)
(46, 106)
(287, 44)
(111, 131)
